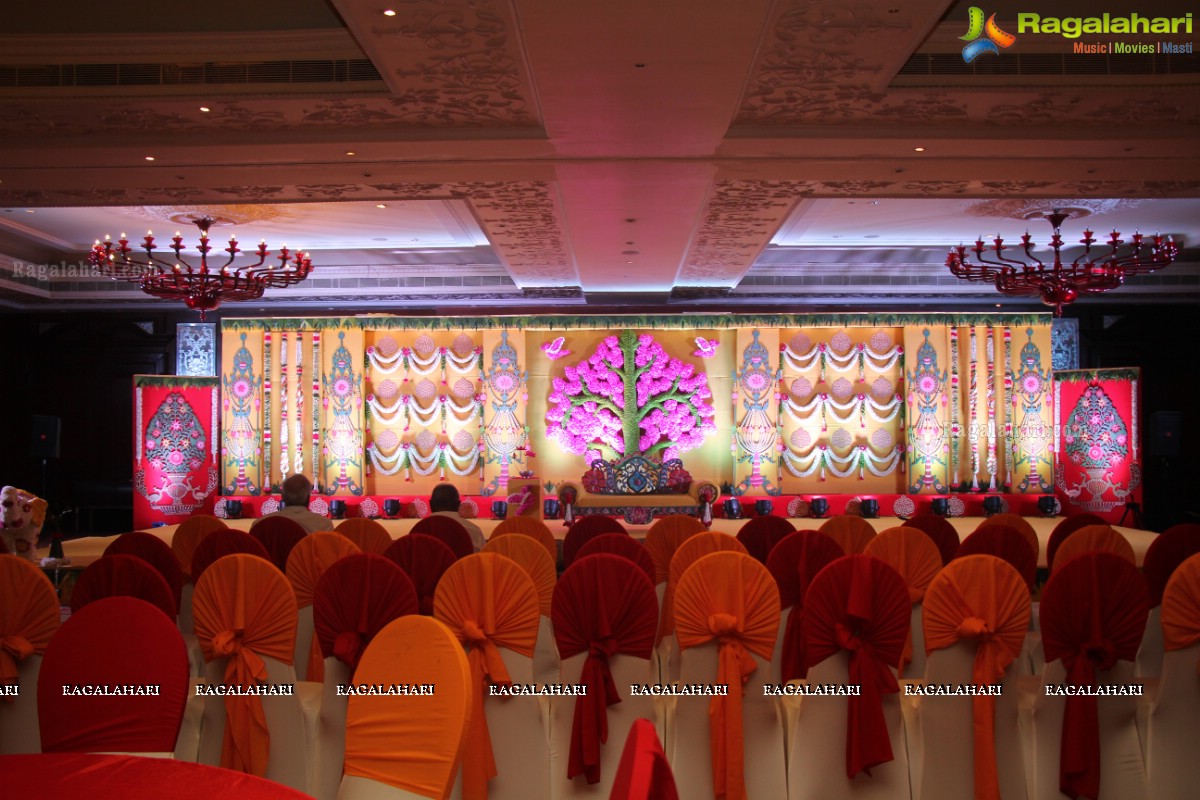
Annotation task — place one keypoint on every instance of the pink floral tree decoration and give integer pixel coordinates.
(630, 397)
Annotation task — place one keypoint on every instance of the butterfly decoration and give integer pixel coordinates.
(554, 350)
(705, 348)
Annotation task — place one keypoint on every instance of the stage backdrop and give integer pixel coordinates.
(763, 404)
(1099, 440)
(174, 448)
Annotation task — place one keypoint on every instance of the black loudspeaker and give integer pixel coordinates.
(1165, 433)
(43, 441)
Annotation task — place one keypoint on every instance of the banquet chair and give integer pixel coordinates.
(246, 620)
(155, 552)
(1066, 527)
(584, 528)
(367, 534)
(1006, 543)
(916, 559)
(1164, 555)
(940, 531)
(1091, 539)
(643, 773)
(219, 544)
(355, 598)
(851, 531)
(662, 540)
(1021, 525)
(29, 617)
(306, 564)
(976, 614)
(760, 534)
(623, 545)
(726, 619)
(856, 618)
(449, 531)
(105, 644)
(1173, 727)
(424, 559)
(605, 615)
(278, 535)
(1093, 612)
(491, 605)
(402, 747)
(532, 557)
(691, 550)
(534, 528)
(123, 576)
(793, 563)
(188, 534)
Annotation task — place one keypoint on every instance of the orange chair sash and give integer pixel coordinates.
(367, 534)
(981, 599)
(664, 538)
(694, 548)
(850, 531)
(531, 556)
(245, 609)
(28, 614)
(1092, 538)
(311, 557)
(794, 562)
(489, 602)
(533, 528)
(189, 534)
(730, 598)
(913, 554)
(1181, 607)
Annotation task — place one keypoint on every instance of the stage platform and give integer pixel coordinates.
(85, 550)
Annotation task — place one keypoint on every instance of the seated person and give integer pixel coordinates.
(296, 490)
(445, 501)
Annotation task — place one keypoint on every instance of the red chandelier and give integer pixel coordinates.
(1059, 284)
(201, 287)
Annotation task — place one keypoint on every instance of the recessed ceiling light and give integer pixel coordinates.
(381, 205)
(149, 158)
(351, 153)
(389, 12)
(31, 211)
(205, 109)
(999, 305)
(919, 149)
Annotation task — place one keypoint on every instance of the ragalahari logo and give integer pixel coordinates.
(993, 38)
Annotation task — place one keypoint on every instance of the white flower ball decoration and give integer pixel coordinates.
(882, 439)
(800, 344)
(801, 438)
(881, 341)
(463, 442)
(463, 389)
(387, 440)
(883, 390)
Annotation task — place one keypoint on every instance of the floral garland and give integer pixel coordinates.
(285, 445)
(861, 458)
(955, 426)
(864, 405)
(522, 500)
(410, 408)
(858, 356)
(316, 407)
(992, 465)
(406, 457)
(972, 414)
(410, 361)
(266, 437)
(298, 462)
(1010, 452)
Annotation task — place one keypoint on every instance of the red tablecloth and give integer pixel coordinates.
(70, 776)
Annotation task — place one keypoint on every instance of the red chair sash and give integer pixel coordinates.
(449, 531)
(28, 614)
(278, 535)
(219, 544)
(1169, 549)
(852, 532)
(355, 598)
(1064, 529)
(941, 531)
(623, 545)
(794, 562)
(1020, 525)
(644, 772)
(189, 534)
(1005, 543)
(1093, 613)
(914, 555)
(123, 576)
(155, 552)
(105, 644)
(664, 538)
(424, 559)
(759, 535)
(585, 528)
(860, 604)
(604, 604)
(367, 534)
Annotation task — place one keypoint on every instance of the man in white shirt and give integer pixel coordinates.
(444, 501)
(296, 491)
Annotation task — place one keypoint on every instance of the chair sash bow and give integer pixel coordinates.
(589, 725)
(734, 667)
(247, 742)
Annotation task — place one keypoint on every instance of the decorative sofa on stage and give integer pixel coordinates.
(637, 489)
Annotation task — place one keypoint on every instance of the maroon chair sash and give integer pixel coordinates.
(424, 559)
(1065, 528)
(620, 544)
(759, 535)
(355, 598)
(603, 605)
(450, 531)
(123, 576)
(1005, 543)
(155, 552)
(219, 544)
(794, 562)
(1168, 550)
(584, 529)
(941, 531)
(278, 535)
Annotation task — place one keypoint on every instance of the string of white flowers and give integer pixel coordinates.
(861, 458)
(398, 460)
(972, 414)
(862, 405)
(407, 457)
(992, 466)
(285, 445)
(955, 426)
(860, 356)
(408, 407)
(412, 362)
(1010, 397)
(298, 438)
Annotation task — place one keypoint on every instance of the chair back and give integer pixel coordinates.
(851, 531)
(1090, 539)
(307, 562)
(1093, 614)
(604, 606)
(123, 576)
(29, 617)
(1174, 720)
(1022, 527)
(356, 597)
(940, 531)
(983, 600)
(916, 559)
(1169, 549)
(105, 644)
(367, 534)
(219, 544)
(793, 563)
(643, 773)
(412, 743)
(425, 560)
(665, 536)
(623, 545)
(531, 556)
(278, 535)
(190, 533)
(1065, 528)
(155, 552)
(245, 611)
(690, 551)
(585, 528)
(760, 534)
(1006, 543)
(532, 527)
(489, 603)
(450, 531)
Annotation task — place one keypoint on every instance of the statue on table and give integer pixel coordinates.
(21, 521)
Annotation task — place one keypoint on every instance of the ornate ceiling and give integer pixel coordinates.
(615, 153)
